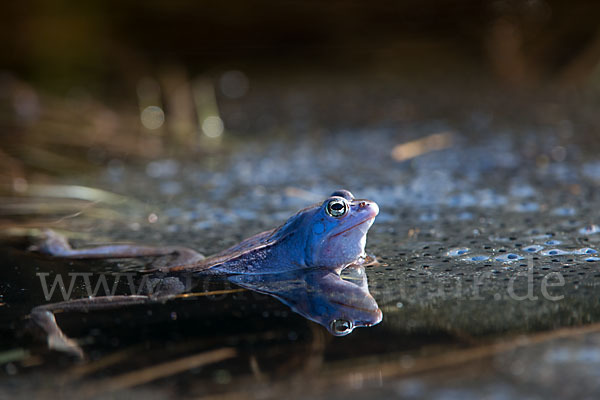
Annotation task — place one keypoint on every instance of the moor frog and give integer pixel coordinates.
(325, 238)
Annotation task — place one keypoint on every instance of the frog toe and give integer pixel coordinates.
(53, 243)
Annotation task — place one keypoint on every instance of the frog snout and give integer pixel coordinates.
(369, 206)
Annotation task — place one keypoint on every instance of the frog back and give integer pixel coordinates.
(269, 251)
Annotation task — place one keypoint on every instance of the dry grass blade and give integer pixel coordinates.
(13, 354)
(418, 147)
(81, 370)
(155, 372)
(75, 192)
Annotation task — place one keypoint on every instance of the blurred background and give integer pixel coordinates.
(473, 124)
(122, 78)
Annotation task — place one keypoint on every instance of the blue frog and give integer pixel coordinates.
(312, 247)
(330, 235)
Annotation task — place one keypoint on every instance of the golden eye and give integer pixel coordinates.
(336, 208)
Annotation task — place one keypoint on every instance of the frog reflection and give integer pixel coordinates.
(339, 303)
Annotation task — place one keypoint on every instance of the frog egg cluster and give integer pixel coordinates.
(504, 256)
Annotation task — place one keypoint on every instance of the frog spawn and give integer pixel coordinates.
(544, 249)
(446, 262)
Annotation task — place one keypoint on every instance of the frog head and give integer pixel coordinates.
(336, 231)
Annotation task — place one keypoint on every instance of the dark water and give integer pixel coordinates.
(488, 243)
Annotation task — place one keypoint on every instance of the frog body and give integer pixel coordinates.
(330, 235)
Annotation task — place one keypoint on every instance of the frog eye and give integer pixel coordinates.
(336, 208)
(340, 327)
(343, 193)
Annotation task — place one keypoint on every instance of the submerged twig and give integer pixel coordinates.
(155, 372)
(211, 293)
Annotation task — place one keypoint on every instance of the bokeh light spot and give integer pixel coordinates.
(152, 117)
(212, 126)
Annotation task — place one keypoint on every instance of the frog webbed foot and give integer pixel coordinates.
(52, 243)
(56, 338)
(43, 317)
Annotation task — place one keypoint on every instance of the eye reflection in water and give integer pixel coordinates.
(338, 302)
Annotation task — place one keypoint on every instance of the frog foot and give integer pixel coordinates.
(66, 345)
(53, 243)
(56, 338)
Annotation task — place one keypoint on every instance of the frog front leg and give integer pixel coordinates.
(58, 245)
(43, 316)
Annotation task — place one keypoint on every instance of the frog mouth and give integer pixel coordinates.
(354, 226)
